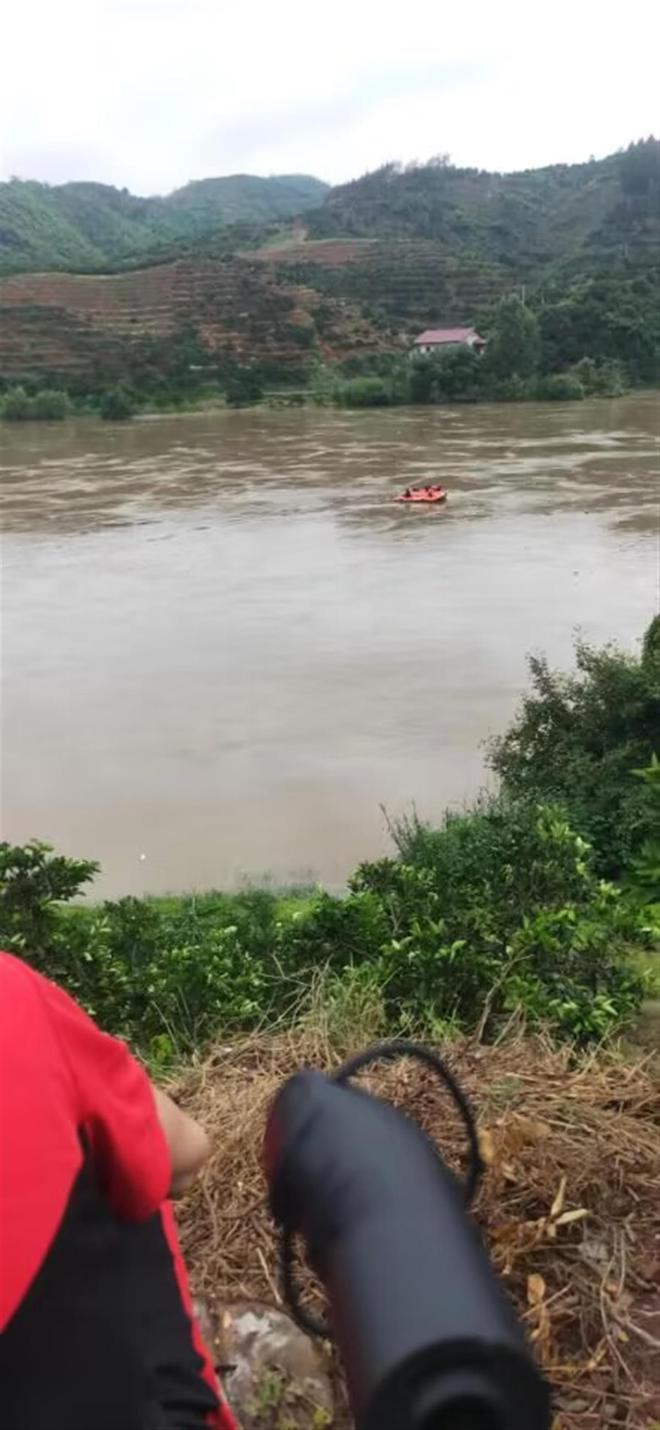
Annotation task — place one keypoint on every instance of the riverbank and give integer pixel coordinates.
(519, 937)
(329, 389)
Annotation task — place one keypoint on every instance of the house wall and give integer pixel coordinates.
(426, 348)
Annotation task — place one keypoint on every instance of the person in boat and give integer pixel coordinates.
(408, 493)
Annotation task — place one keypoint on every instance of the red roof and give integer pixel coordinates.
(446, 335)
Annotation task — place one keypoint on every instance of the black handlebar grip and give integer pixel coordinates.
(427, 1335)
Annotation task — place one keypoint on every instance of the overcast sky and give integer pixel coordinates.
(151, 93)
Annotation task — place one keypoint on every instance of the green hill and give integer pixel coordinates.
(592, 216)
(86, 226)
(604, 211)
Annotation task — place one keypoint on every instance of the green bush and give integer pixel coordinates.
(497, 910)
(560, 387)
(116, 405)
(456, 375)
(51, 405)
(16, 405)
(243, 388)
(47, 405)
(600, 379)
(500, 909)
(643, 874)
(33, 881)
(363, 392)
(578, 739)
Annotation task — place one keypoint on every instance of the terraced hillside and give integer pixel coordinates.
(63, 326)
(403, 284)
(375, 261)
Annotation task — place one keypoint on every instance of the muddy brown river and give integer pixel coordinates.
(225, 647)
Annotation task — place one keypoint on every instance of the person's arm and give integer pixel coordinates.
(188, 1143)
(142, 1146)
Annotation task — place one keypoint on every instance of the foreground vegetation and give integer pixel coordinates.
(505, 907)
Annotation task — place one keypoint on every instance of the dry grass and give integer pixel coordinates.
(569, 1204)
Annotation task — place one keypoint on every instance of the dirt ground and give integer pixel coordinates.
(569, 1206)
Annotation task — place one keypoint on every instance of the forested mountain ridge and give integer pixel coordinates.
(599, 211)
(87, 226)
(605, 211)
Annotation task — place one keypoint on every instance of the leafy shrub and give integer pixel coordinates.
(363, 392)
(336, 933)
(243, 388)
(33, 880)
(560, 387)
(578, 738)
(456, 375)
(116, 405)
(497, 909)
(509, 389)
(47, 405)
(643, 873)
(17, 406)
(602, 379)
(50, 405)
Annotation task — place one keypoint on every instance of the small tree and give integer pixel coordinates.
(17, 406)
(363, 392)
(423, 380)
(243, 388)
(643, 876)
(578, 740)
(33, 881)
(513, 342)
(560, 387)
(116, 405)
(51, 405)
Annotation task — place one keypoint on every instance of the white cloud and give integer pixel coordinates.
(150, 93)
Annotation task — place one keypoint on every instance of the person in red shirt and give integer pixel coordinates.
(96, 1325)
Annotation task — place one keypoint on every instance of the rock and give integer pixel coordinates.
(203, 1317)
(279, 1379)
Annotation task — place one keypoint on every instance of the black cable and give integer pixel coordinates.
(387, 1051)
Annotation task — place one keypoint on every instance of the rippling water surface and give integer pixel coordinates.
(225, 645)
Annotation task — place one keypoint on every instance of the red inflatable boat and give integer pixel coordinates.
(423, 494)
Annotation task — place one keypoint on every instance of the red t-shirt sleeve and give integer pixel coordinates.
(115, 1108)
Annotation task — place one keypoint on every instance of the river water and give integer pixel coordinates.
(224, 645)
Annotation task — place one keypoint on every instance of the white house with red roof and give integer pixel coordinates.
(434, 340)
